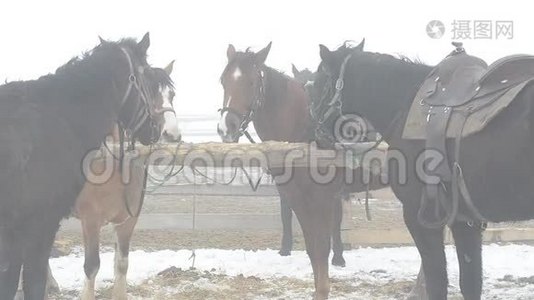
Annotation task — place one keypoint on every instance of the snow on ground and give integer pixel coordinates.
(509, 269)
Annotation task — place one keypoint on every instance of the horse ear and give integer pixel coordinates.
(102, 41)
(361, 45)
(169, 67)
(294, 70)
(230, 52)
(144, 43)
(324, 52)
(261, 56)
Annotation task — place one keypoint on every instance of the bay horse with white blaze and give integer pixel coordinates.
(47, 127)
(119, 199)
(278, 107)
(493, 170)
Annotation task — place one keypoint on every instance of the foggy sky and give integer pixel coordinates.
(39, 36)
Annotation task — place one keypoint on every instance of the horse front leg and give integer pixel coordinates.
(39, 240)
(287, 226)
(315, 220)
(468, 240)
(431, 248)
(122, 249)
(10, 265)
(91, 240)
(418, 292)
(51, 285)
(337, 244)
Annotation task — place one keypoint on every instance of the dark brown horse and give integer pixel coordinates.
(116, 199)
(496, 163)
(47, 127)
(278, 107)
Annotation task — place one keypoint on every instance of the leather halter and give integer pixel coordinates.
(137, 82)
(257, 103)
(324, 111)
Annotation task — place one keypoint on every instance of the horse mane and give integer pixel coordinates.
(276, 84)
(82, 73)
(415, 61)
(162, 78)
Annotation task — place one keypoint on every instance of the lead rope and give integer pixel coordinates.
(143, 190)
(367, 208)
(249, 137)
(193, 253)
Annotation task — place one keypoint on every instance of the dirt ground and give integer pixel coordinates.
(192, 284)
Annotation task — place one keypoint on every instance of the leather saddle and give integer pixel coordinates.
(459, 97)
(460, 78)
(454, 81)
(464, 84)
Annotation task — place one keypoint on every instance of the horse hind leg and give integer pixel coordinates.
(468, 240)
(337, 244)
(122, 249)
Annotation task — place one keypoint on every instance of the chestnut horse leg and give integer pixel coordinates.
(91, 239)
(287, 226)
(317, 238)
(124, 233)
(315, 218)
(337, 244)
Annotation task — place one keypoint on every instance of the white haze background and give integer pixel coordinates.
(39, 36)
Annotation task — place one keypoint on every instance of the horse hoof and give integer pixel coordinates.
(284, 252)
(338, 261)
(417, 295)
(54, 289)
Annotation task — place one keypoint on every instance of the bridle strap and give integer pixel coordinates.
(133, 82)
(259, 99)
(335, 103)
(131, 77)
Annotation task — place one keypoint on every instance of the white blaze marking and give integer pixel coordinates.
(222, 123)
(171, 122)
(237, 73)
